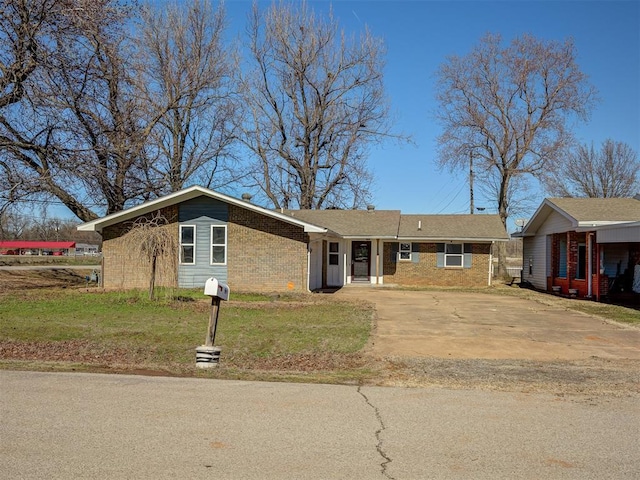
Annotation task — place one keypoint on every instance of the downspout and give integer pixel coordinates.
(345, 277)
(377, 261)
(490, 261)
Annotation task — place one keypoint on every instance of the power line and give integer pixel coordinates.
(452, 200)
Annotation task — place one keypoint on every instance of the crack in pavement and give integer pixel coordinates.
(387, 460)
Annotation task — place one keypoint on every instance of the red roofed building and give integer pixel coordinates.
(23, 247)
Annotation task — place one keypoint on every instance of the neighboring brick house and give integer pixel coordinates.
(253, 248)
(587, 247)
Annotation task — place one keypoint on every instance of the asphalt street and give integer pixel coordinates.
(90, 426)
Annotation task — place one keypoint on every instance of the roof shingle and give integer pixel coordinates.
(392, 224)
(452, 227)
(352, 223)
(599, 209)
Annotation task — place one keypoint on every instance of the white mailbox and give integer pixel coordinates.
(213, 288)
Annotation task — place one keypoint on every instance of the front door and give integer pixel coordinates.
(334, 265)
(360, 260)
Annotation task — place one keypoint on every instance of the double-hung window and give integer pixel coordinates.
(453, 255)
(187, 244)
(404, 252)
(334, 253)
(218, 244)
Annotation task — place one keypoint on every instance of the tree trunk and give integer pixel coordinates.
(152, 277)
(501, 247)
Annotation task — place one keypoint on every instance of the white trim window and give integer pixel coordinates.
(218, 250)
(404, 252)
(453, 255)
(187, 244)
(334, 253)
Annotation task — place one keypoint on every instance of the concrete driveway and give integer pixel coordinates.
(450, 324)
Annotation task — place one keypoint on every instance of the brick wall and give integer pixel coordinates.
(265, 254)
(426, 273)
(573, 240)
(125, 268)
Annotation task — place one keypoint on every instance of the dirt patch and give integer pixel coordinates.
(11, 280)
(303, 362)
(595, 376)
(76, 351)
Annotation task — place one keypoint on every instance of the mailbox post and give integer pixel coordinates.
(207, 355)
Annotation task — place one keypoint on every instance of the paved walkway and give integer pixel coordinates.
(450, 324)
(90, 426)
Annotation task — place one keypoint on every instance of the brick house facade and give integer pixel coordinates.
(266, 254)
(426, 271)
(255, 249)
(123, 267)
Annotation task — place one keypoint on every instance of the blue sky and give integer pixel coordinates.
(419, 35)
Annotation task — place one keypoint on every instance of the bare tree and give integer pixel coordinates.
(187, 73)
(313, 103)
(31, 31)
(612, 171)
(25, 26)
(510, 107)
(151, 240)
(106, 121)
(99, 121)
(13, 224)
(76, 131)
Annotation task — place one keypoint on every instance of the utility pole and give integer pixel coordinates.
(471, 182)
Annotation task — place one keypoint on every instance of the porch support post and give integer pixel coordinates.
(598, 270)
(589, 264)
(377, 261)
(309, 266)
(567, 260)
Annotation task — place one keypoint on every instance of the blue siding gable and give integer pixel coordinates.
(202, 212)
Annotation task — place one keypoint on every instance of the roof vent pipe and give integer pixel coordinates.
(419, 224)
(371, 208)
(246, 197)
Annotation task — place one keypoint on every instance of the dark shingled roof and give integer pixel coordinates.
(599, 209)
(451, 227)
(391, 224)
(352, 223)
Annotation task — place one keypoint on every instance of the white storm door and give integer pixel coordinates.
(334, 265)
(315, 265)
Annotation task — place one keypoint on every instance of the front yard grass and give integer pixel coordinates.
(305, 337)
(308, 338)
